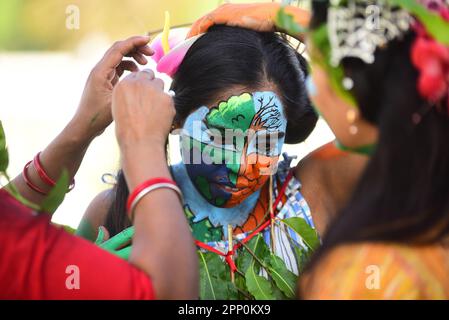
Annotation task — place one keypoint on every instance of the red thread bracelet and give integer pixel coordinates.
(28, 181)
(145, 187)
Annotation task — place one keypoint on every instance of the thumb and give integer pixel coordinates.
(103, 235)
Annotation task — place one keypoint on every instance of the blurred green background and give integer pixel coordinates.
(41, 24)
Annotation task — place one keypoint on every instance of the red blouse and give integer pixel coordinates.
(41, 261)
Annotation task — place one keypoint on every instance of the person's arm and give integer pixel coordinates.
(91, 119)
(162, 243)
(45, 262)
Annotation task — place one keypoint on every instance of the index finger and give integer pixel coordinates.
(119, 239)
(120, 49)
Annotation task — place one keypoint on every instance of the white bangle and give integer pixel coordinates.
(147, 190)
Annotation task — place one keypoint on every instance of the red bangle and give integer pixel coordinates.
(28, 181)
(44, 176)
(146, 187)
(41, 172)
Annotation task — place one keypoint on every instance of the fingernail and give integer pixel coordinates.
(100, 236)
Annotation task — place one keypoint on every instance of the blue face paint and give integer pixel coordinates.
(229, 150)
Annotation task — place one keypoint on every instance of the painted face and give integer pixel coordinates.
(231, 149)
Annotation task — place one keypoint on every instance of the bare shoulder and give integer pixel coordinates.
(328, 176)
(336, 171)
(95, 215)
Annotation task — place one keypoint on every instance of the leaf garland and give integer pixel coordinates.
(261, 274)
(306, 232)
(284, 278)
(215, 282)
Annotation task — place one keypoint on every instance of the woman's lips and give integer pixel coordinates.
(228, 188)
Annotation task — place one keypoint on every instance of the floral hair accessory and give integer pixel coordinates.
(358, 28)
(431, 58)
(170, 47)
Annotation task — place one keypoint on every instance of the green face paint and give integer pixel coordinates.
(224, 147)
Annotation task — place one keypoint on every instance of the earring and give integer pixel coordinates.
(347, 83)
(351, 116)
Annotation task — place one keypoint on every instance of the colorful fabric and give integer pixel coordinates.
(38, 260)
(231, 149)
(380, 271)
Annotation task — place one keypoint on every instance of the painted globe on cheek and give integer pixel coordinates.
(230, 150)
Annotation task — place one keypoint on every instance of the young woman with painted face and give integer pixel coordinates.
(328, 174)
(236, 80)
(231, 80)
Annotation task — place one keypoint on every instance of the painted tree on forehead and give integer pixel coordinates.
(236, 113)
(269, 116)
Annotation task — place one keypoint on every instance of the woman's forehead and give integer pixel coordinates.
(238, 90)
(261, 110)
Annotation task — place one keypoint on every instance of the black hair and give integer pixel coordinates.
(403, 194)
(225, 57)
(250, 59)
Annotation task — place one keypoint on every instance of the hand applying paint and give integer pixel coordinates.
(94, 111)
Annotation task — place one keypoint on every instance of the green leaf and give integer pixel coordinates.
(2, 137)
(258, 246)
(287, 22)
(240, 282)
(302, 257)
(215, 280)
(229, 291)
(284, 278)
(278, 294)
(306, 232)
(258, 286)
(4, 158)
(207, 284)
(57, 194)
